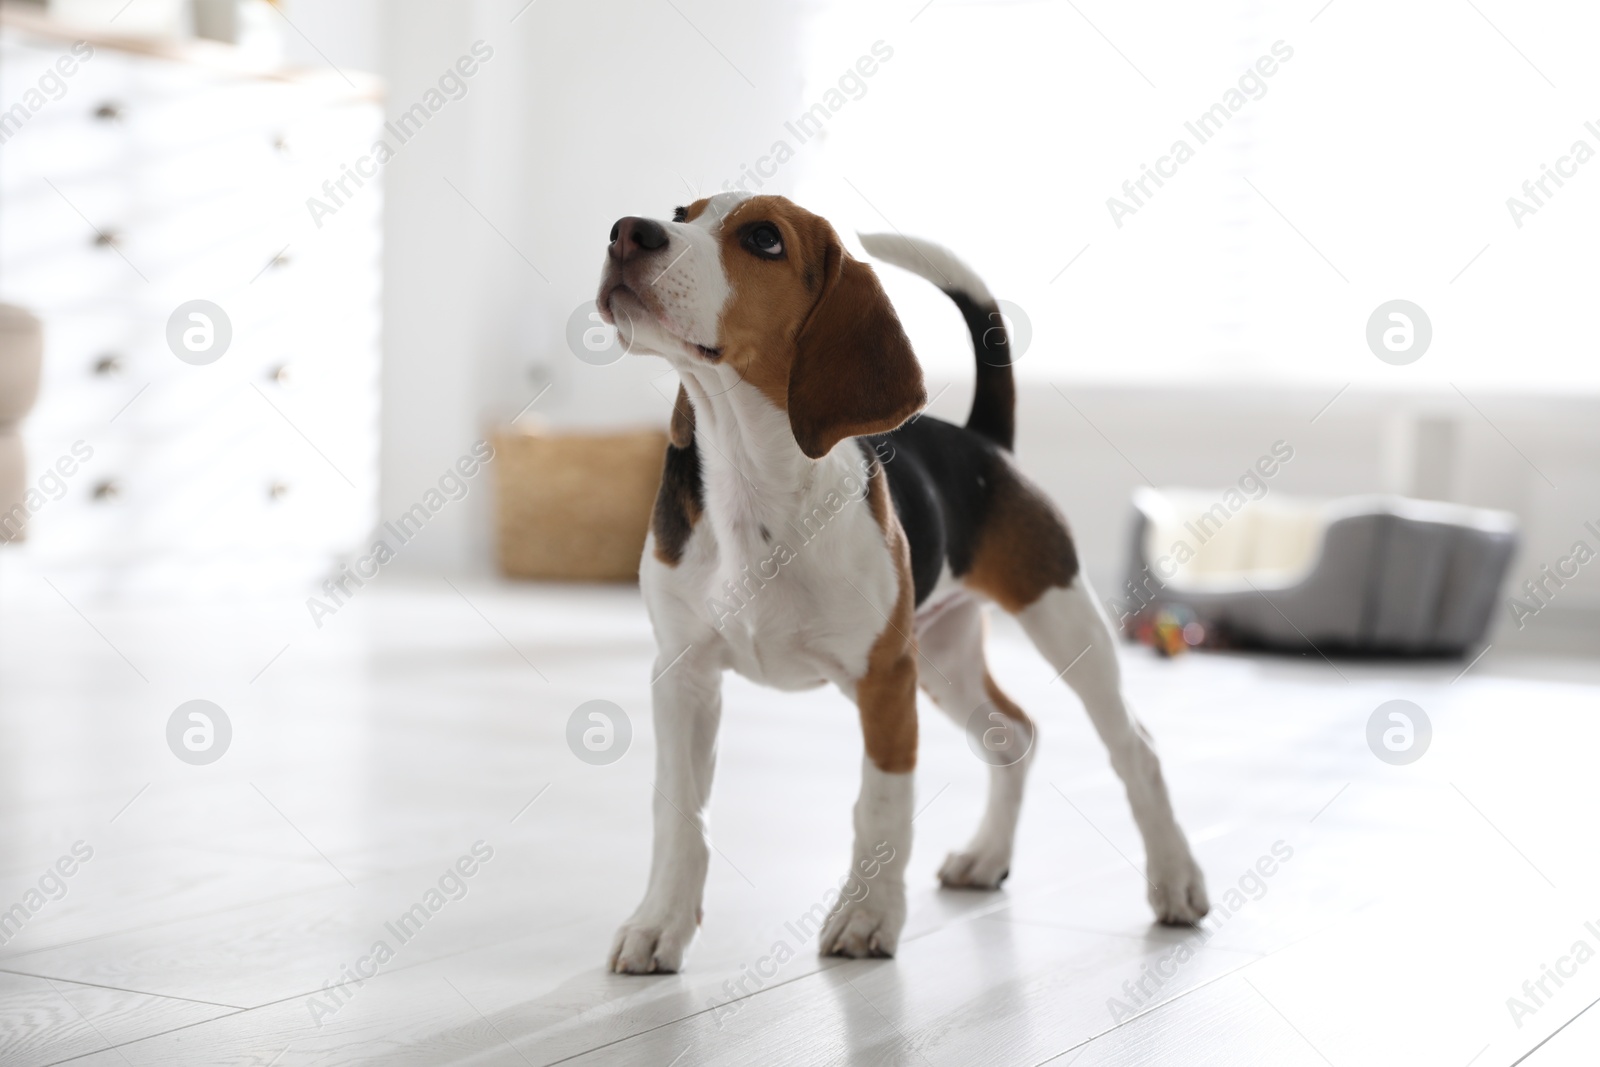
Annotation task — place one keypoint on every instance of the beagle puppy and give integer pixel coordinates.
(811, 527)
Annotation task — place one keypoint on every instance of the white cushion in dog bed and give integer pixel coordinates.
(1372, 574)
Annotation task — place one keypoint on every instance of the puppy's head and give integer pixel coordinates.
(765, 290)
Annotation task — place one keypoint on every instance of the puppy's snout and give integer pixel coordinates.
(632, 237)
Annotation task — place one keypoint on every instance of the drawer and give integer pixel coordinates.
(100, 368)
(132, 498)
(25, 59)
(199, 179)
(166, 577)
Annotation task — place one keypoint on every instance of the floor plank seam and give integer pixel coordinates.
(164, 922)
(405, 967)
(146, 1037)
(1125, 937)
(188, 917)
(121, 989)
(1553, 1034)
(1150, 1011)
(298, 995)
(984, 911)
(1260, 958)
(827, 965)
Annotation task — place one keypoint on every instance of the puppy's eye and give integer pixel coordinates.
(680, 214)
(765, 241)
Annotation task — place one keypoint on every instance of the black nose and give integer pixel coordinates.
(631, 236)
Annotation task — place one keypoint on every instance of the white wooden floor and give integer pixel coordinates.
(369, 756)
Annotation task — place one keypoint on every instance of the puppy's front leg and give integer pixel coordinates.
(867, 921)
(687, 706)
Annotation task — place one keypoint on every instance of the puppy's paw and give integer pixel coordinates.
(646, 945)
(1178, 891)
(978, 868)
(867, 927)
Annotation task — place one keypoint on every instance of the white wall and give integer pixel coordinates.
(586, 112)
(592, 111)
(1091, 453)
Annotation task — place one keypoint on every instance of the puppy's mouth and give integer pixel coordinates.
(619, 301)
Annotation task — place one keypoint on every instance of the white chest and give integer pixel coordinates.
(787, 571)
(799, 604)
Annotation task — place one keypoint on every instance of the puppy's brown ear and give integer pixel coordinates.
(854, 372)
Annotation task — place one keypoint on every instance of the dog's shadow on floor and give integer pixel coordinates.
(593, 1009)
(589, 1010)
(582, 1015)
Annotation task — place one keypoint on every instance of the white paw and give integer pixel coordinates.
(866, 927)
(651, 945)
(1178, 889)
(981, 867)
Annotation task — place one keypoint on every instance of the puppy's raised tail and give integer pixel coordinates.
(994, 402)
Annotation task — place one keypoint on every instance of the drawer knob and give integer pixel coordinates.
(108, 239)
(277, 491)
(282, 374)
(108, 365)
(107, 490)
(110, 111)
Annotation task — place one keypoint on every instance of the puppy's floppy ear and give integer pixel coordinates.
(854, 372)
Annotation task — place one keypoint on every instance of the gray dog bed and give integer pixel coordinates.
(1368, 574)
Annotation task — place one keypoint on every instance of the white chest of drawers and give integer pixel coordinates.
(157, 177)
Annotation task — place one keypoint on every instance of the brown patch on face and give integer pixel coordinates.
(813, 330)
(770, 301)
(887, 693)
(696, 209)
(680, 500)
(1023, 547)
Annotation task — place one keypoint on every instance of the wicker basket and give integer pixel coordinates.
(575, 505)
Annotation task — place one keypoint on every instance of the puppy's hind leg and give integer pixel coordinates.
(1068, 628)
(953, 640)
